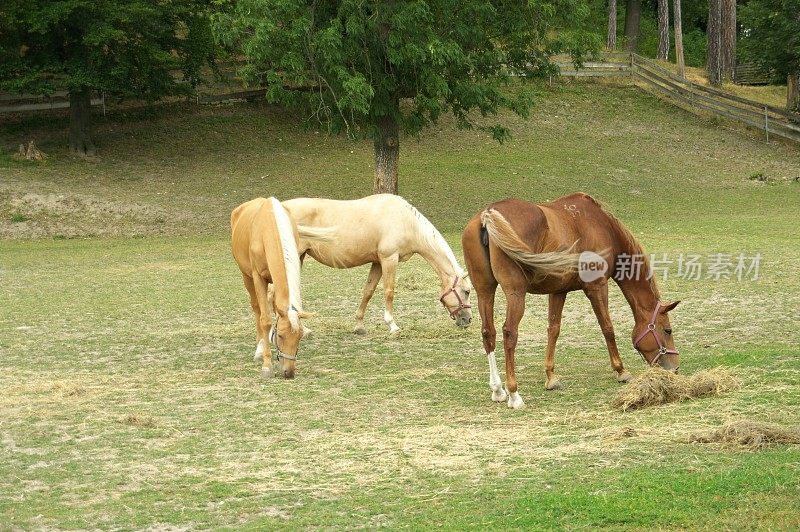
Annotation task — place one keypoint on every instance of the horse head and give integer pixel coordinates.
(455, 299)
(654, 339)
(285, 337)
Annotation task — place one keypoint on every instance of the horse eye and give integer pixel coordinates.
(668, 331)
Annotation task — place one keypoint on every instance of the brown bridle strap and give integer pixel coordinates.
(279, 354)
(651, 328)
(461, 305)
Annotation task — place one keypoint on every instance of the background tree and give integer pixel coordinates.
(771, 38)
(611, 36)
(728, 40)
(714, 33)
(120, 47)
(678, 27)
(663, 30)
(633, 13)
(376, 68)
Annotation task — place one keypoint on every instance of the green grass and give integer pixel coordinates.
(130, 399)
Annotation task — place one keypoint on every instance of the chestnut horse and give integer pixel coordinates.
(264, 244)
(382, 230)
(555, 248)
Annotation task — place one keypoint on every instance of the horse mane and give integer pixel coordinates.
(291, 262)
(630, 243)
(428, 233)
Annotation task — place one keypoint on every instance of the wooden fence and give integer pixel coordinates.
(770, 119)
(15, 103)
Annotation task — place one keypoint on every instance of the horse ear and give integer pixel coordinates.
(670, 306)
(305, 315)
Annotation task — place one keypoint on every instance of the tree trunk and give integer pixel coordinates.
(633, 12)
(80, 112)
(677, 23)
(793, 92)
(663, 30)
(387, 155)
(728, 40)
(611, 39)
(714, 33)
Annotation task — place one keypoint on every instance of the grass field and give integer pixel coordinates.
(130, 400)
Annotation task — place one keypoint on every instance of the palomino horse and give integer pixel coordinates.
(383, 230)
(538, 249)
(264, 244)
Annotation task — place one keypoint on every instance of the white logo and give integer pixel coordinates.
(591, 266)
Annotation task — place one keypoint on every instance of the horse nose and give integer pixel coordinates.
(288, 374)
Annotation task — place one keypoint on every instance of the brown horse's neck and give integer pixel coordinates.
(642, 296)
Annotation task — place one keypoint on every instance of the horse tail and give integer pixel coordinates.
(316, 234)
(556, 263)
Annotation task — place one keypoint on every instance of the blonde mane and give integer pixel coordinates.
(630, 244)
(428, 233)
(291, 261)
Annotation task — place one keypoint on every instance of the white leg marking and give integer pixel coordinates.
(498, 393)
(260, 349)
(393, 328)
(515, 401)
(307, 333)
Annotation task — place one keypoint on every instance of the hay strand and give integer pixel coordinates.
(753, 435)
(657, 386)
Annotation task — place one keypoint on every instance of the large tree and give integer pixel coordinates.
(119, 47)
(678, 27)
(771, 38)
(714, 50)
(633, 15)
(663, 30)
(375, 69)
(611, 33)
(728, 40)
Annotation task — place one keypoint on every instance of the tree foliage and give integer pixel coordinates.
(121, 47)
(358, 60)
(771, 35)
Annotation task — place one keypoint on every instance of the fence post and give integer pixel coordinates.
(766, 122)
(691, 93)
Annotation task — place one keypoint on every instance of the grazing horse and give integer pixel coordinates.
(382, 230)
(554, 248)
(264, 244)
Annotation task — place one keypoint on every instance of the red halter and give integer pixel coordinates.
(651, 328)
(461, 304)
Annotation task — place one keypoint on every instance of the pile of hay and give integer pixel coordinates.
(657, 386)
(754, 435)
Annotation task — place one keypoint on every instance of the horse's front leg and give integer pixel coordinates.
(598, 295)
(515, 309)
(369, 289)
(389, 268)
(264, 324)
(489, 334)
(261, 338)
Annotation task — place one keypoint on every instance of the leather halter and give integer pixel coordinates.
(651, 328)
(278, 353)
(461, 304)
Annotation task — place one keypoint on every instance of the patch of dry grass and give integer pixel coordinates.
(752, 435)
(657, 386)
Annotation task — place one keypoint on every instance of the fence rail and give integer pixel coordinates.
(768, 118)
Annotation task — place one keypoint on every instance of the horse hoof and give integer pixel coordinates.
(515, 401)
(625, 377)
(498, 396)
(360, 330)
(267, 373)
(553, 384)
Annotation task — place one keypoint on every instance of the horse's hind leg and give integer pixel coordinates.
(598, 295)
(515, 309)
(369, 289)
(489, 334)
(554, 311)
(389, 268)
(261, 340)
